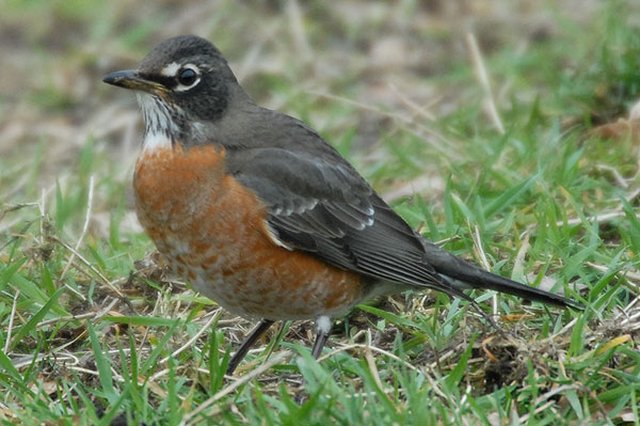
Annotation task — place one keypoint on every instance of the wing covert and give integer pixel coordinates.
(325, 207)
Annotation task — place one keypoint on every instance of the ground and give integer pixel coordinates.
(503, 130)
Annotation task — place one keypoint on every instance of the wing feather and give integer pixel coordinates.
(327, 209)
(319, 204)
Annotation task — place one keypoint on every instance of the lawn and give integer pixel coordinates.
(500, 130)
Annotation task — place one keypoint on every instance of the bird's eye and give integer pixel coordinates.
(187, 77)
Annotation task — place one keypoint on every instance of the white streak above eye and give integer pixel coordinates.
(170, 70)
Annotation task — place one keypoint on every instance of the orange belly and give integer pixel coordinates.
(213, 232)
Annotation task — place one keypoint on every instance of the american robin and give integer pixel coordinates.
(259, 213)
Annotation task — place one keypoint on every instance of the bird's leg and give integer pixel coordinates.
(323, 324)
(251, 338)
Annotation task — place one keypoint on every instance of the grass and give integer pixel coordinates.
(94, 332)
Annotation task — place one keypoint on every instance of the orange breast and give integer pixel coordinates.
(213, 232)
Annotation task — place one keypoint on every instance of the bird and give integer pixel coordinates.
(260, 214)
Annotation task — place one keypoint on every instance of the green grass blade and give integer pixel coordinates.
(103, 365)
(508, 197)
(30, 326)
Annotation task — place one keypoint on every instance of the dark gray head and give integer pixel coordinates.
(183, 83)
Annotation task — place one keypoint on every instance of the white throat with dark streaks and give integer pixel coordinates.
(159, 125)
(163, 126)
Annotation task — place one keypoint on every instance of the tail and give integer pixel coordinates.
(453, 267)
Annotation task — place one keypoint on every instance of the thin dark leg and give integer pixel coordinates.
(318, 345)
(251, 338)
(324, 329)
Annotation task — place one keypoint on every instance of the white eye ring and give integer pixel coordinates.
(188, 76)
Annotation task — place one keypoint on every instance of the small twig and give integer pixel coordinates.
(564, 329)
(12, 208)
(278, 358)
(432, 382)
(85, 227)
(483, 79)
(621, 181)
(441, 144)
(463, 400)
(599, 218)
(477, 242)
(91, 267)
(297, 29)
(626, 312)
(58, 350)
(631, 318)
(632, 195)
(349, 347)
(11, 317)
(628, 274)
(189, 342)
(518, 268)
(545, 397)
(64, 357)
(42, 206)
(417, 109)
(116, 376)
(371, 363)
(525, 418)
(92, 315)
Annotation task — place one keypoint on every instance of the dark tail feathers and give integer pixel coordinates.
(453, 267)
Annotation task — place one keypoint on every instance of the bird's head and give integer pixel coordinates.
(182, 85)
